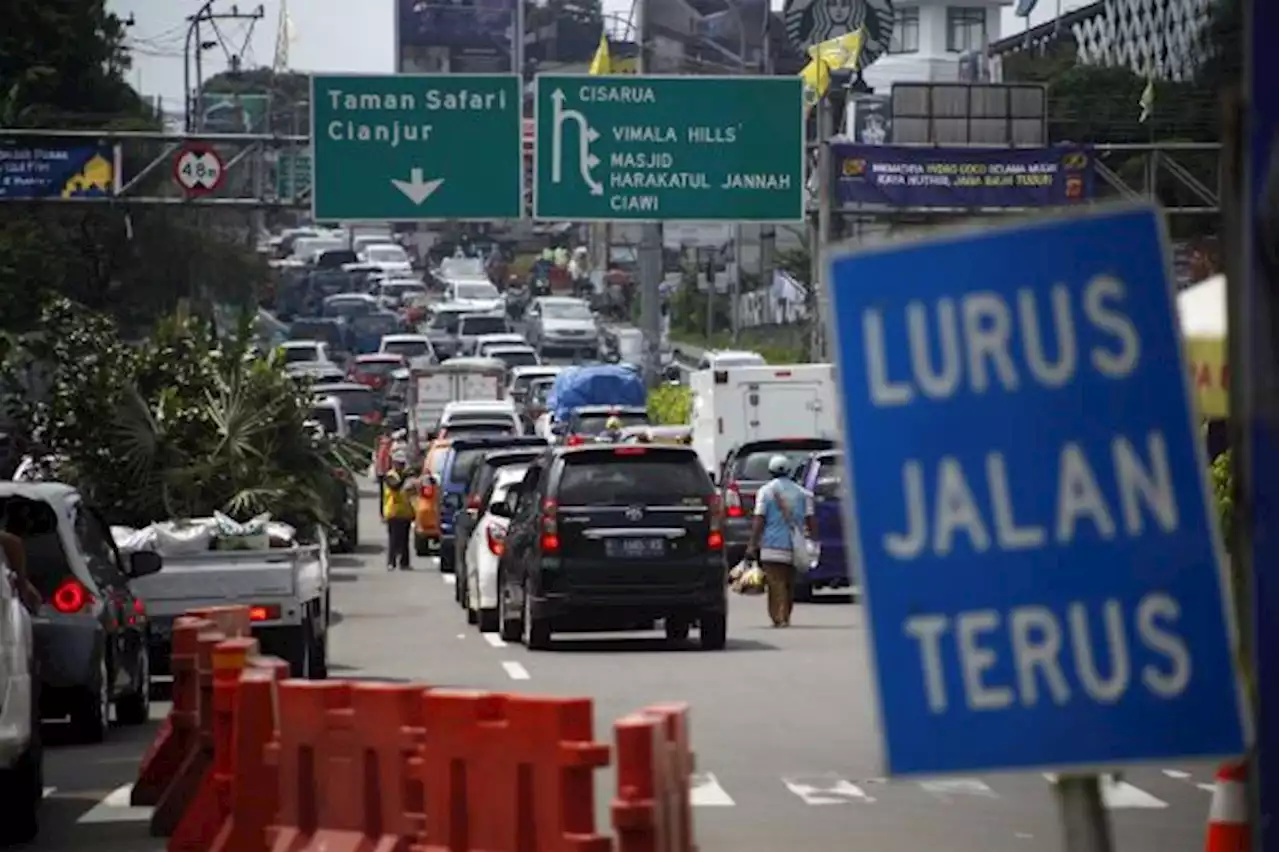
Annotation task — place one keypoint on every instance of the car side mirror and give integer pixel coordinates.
(715, 480)
(144, 563)
(501, 510)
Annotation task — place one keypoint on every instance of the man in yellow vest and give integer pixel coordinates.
(397, 510)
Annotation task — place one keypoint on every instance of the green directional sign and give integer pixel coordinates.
(669, 148)
(293, 173)
(413, 147)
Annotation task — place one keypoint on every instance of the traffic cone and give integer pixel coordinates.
(1228, 812)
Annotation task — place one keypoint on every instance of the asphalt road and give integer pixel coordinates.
(782, 725)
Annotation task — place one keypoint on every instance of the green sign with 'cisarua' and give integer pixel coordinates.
(669, 148)
(413, 147)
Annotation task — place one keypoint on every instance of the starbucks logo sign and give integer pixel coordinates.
(811, 22)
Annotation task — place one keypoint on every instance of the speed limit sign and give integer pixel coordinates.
(198, 169)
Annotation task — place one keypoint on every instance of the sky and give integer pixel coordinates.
(329, 35)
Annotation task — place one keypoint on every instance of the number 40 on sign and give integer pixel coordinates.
(198, 169)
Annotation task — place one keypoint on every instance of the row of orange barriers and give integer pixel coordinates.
(250, 761)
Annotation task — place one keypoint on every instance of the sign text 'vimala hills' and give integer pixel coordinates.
(669, 148)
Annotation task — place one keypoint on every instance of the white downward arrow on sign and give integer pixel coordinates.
(415, 188)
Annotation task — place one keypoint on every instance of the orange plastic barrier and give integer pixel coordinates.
(252, 794)
(652, 811)
(233, 621)
(178, 733)
(343, 761)
(209, 807)
(507, 773)
(184, 785)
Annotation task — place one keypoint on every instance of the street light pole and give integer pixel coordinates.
(193, 31)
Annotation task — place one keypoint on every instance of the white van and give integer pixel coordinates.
(21, 755)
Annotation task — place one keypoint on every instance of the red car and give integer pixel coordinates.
(374, 371)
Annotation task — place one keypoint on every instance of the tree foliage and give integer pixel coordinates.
(179, 425)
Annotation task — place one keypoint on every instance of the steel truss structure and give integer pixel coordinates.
(246, 157)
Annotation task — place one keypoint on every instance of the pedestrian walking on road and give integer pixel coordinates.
(783, 517)
(397, 510)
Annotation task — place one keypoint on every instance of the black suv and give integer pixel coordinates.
(482, 476)
(614, 537)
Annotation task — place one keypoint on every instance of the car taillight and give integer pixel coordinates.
(495, 539)
(473, 502)
(264, 613)
(715, 540)
(575, 441)
(733, 501)
(550, 531)
(630, 451)
(715, 511)
(139, 608)
(71, 597)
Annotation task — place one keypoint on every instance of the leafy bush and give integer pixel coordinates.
(179, 425)
(1220, 473)
(670, 405)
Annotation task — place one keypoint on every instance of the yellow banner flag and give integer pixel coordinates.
(841, 53)
(600, 64)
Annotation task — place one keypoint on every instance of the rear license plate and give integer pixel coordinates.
(634, 548)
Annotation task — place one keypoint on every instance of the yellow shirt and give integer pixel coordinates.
(396, 502)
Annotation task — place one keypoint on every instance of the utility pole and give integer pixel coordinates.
(650, 256)
(820, 237)
(194, 110)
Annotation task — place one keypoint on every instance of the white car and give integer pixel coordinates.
(297, 351)
(21, 755)
(564, 323)
(479, 294)
(484, 549)
(512, 354)
(410, 346)
(720, 359)
(389, 257)
(464, 411)
(503, 337)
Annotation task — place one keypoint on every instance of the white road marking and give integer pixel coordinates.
(1208, 788)
(514, 670)
(115, 807)
(494, 640)
(1176, 773)
(948, 788)
(48, 791)
(1121, 795)
(705, 792)
(449, 579)
(825, 789)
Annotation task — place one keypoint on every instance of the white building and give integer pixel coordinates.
(932, 37)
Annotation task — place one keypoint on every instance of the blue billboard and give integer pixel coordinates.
(471, 36)
(57, 170)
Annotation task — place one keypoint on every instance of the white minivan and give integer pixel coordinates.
(21, 755)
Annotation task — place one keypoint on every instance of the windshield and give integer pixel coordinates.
(607, 479)
(297, 354)
(457, 417)
(446, 321)
(377, 368)
(326, 417)
(378, 324)
(329, 332)
(516, 357)
(36, 524)
(739, 361)
(754, 463)
(566, 311)
(472, 325)
(465, 461)
(490, 426)
(348, 307)
(478, 290)
(407, 348)
(386, 254)
(539, 391)
(593, 424)
(357, 401)
(401, 289)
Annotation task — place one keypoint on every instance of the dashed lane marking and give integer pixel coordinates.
(494, 640)
(705, 792)
(948, 789)
(115, 807)
(1208, 788)
(449, 579)
(1176, 773)
(825, 789)
(1121, 795)
(48, 791)
(514, 670)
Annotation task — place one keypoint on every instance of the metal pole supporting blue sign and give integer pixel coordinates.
(1044, 578)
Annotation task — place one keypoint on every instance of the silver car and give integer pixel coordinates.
(564, 324)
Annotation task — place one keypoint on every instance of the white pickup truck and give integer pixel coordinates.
(286, 588)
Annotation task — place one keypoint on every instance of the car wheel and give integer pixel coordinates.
(802, 593)
(319, 656)
(420, 544)
(677, 629)
(446, 561)
(298, 655)
(91, 714)
(537, 631)
(713, 631)
(473, 617)
(22, 791)
(135, 708)
(509, 626)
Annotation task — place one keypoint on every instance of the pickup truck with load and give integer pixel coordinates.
(432, 387)
(285, 587)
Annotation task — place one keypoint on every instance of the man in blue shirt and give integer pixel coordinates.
(781, 506)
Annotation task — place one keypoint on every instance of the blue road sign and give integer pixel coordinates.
(1043, 576)
(56, 170)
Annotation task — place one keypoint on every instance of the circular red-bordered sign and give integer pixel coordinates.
(198, 169)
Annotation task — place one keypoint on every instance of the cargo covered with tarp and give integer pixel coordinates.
(603, 384)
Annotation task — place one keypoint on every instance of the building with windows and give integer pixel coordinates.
(938, 41)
